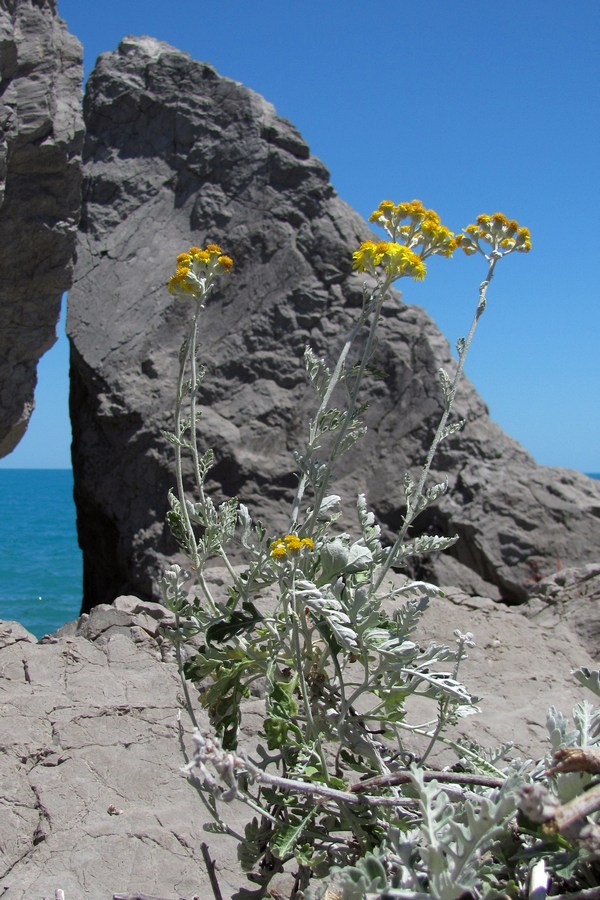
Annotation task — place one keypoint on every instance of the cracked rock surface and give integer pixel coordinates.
(41, 138)
(177, 156)
(92, 799)
(573, 596)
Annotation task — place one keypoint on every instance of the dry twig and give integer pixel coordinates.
(210, 868)
(395, 778)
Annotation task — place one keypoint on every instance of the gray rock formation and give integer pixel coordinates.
(93, 800)
(571, 595)
(177, 156)
(41, 137)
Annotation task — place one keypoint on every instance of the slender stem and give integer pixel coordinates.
(230, 569)
(346, 705)
(538, 881)
(193, 394)
(394, 778)
(379, 296)
(313, 732)
(322, 790)
(415, 507)
(441, 721)
(194, 418)
(186, 693)
(210, 868)
(578, 808)
(189, 356)
(334, 380)
(335, 377)
(193, 547)
(205, 589)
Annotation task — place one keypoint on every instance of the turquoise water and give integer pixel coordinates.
(40, 561)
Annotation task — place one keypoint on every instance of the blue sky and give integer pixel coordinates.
(468, 107)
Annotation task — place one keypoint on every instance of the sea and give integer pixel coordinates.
(40, 560)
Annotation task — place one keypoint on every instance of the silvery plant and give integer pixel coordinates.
(318, 627)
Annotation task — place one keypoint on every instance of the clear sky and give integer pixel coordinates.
(468, 107)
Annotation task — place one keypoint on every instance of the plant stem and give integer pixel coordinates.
(205, 589)
(322, 790)
(372, 304)
(192, 546)
(378, 296)
(441, 721)
(414, 508)
(394, 778)
(193, 393)
(538, 881)
(335, 377)
(576, 810)
(313, 733)
(210, 868)
(186, 693)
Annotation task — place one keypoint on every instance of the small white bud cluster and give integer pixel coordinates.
(227, 765)
(537, 803)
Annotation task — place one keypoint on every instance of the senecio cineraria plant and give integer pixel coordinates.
(316, 624)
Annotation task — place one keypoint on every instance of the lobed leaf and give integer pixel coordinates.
(588, 679)
(285, 839)
(452, 429)
(317, 371)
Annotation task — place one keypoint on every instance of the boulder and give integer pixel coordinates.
(41, 138)
(177, 155)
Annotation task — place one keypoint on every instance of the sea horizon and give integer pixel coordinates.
(41, 565)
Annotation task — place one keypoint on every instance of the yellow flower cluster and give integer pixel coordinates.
(197, 269)
(418, 228)
(396, 259)
(291, 543)
(503, 234)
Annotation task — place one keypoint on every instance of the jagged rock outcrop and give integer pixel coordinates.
(94, 802)
(41, 137)
(177, 155)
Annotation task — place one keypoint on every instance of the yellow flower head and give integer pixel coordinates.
(225, 262)
(435, 238)
(290, 544)
(396, 259)
(196, 271)
(278, 550)
(182, 282)
(502, 234)
(389, 215)
(416, 227)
